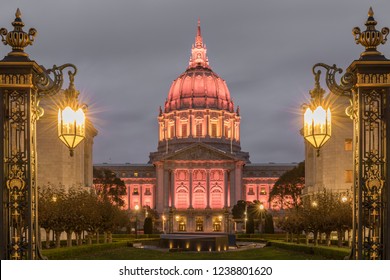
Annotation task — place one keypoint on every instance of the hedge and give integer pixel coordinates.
(327, 252)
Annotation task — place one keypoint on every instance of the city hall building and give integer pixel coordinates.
(199, 171)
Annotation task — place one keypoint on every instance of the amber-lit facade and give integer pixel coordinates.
(198, 172)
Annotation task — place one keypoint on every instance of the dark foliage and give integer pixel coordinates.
(148, 225)
(288, 187)
(108, 185)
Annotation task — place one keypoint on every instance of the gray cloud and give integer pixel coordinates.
(129, 52)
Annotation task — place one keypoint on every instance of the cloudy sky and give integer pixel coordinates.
(128, 52)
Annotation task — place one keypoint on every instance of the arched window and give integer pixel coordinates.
(216, 197)
(182, 197)
(199, 197)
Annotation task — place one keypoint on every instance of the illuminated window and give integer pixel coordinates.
(348, 176)
(135, 191)
(198, 130)
(147, 191)
(227, 131)
(348, 145)
(135, 174)
(213, 130)
(184, 130)
(199, 224)
(217, 225)
(263, 191)
(171, 131)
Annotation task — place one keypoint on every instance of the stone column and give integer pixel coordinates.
(170, 220)
(190, 120)
(208, 188)
(190, 187)
(226, 187)
(238, 182)
(154, 192)
(166, 191)
(226, 221)
(140, 195)
(233, 195)
(207, 124)
(173, 173)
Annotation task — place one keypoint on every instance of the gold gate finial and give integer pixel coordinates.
(370, 38)
(18, 39)
(370, 12)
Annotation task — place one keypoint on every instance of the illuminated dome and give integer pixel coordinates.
(199, 87)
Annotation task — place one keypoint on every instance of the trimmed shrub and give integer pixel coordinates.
(327, 252)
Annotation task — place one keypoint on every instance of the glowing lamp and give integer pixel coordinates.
(317, 126)
(261, 207)
(71, 117)
(71, 127)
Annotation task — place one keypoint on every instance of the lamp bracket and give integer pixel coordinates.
(50, 81)
(347, 82)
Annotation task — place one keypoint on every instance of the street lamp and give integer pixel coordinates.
(163, 223)
(136, 208)
(367, 84)
(71, 117)
(317, 119)
(23, 83)
(261, 207)
(246, 215)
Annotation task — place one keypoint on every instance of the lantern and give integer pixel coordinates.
(317, 126)
(71, 118)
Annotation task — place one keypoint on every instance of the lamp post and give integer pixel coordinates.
(246, 215)
(163, 223)
(136, 208)
(23, 83)
(367, 84)
(261, 207)
(71, 117)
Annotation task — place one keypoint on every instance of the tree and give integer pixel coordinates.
(342, 217)
(108, 185)
(292, 222)
(48, 210)
(238, 210)
(148, 225)
(324, 212)
(269, 224)
(288, 187)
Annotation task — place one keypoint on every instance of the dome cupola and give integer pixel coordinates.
(199, 87)
(199, 109)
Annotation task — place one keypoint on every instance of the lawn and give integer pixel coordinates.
(120, 251)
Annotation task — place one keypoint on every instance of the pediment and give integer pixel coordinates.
(199, 152)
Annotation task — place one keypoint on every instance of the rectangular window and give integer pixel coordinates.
(171, 131)
(184, 130)
(263, 191)
(227, 131)
(348, 145)
(213, 130)
(198, 130)
(348, 176)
